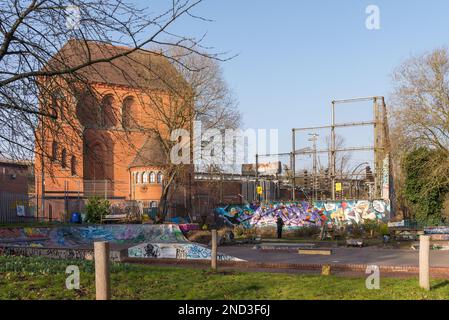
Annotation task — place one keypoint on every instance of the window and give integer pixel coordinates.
(54, 151)
(153, 204)
(107, 116)
(145, 177)
(73, 166)
(159, 177)
(138, 177)
(152, 177)
(64, 159)
(56, 100)
(130, 113)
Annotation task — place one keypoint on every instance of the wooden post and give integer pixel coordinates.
(213, 256)
(424, 260)
(102, 278)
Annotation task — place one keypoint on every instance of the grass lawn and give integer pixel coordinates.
(39, 278)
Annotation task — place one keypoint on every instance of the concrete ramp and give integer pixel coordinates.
(138, 241)
(181, 251)
(84, 236)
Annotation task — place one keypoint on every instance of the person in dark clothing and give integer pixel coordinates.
(280, 224)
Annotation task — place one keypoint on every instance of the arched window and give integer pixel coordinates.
(64, 158)
(54, 151)
(130, 113)
(88, 108)
(159, 177)
(145, 177)
(96, 161)
(152, 177)
(73, 166)
(139, 176)
(107, 117)
(57, 98)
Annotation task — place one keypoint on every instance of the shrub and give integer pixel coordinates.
(371, 227)
(306, 232)
(247, 233)
(96, 209)
(383, 229)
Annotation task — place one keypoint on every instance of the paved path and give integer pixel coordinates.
(342, 255)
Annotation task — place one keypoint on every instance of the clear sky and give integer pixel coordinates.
(295, 56)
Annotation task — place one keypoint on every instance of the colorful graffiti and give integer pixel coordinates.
(303, 214)
(440, 233)
(84, 236)
(188, 227)
(181, 251)
(76, 242)
(437, 230)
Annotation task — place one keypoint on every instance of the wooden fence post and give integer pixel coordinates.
(424, 261)
(102, 277)
(214, 250)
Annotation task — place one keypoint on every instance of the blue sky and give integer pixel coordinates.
(295, 56)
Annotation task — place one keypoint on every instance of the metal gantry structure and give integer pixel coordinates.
(380, 146)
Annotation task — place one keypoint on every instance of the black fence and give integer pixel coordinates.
(16, 208)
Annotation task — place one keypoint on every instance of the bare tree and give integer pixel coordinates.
(215, 105)
(420, 116)
(342, 158)
(421, 100)
(33, 32)
(205, 97)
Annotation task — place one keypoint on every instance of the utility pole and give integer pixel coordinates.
(257, 177)
(333, 156)
(377, 158)
(314, 138)
(293, 164)
(42, 171)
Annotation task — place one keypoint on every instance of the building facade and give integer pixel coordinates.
(106, 140)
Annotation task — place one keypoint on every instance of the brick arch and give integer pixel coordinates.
(108, 113)
(96, 161)
(130, 112)
(56, 103)
(87, 108)
(99, 157)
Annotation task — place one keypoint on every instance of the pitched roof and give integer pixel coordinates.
(139, 69)
(151, 154)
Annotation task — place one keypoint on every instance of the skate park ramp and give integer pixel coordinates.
(143, 241)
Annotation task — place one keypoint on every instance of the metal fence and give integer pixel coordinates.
(16, 208)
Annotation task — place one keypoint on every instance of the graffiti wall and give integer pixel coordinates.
(84, 236)
(72, 254)
(440, 233)
(182, 251)
(303, 214)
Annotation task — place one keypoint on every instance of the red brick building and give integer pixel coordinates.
(15, 176)
(105, 147)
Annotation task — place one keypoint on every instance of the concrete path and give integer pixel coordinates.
(342, 255)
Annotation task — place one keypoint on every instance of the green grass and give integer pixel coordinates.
(39, 278)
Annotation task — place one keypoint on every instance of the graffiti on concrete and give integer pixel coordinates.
(440, 233)
(84, 236)
(436, 230)
(76, 242)
(181, 251)
(71, 254)
(303, 214)
(188, 227)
